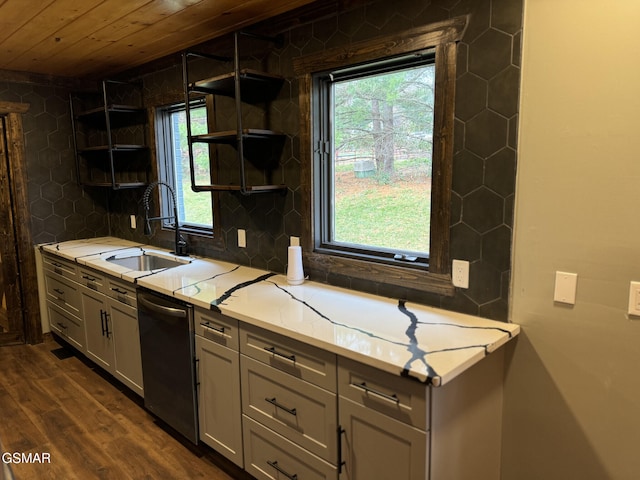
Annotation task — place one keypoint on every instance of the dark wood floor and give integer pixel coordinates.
(91, 426)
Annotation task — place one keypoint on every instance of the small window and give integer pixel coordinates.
(374, 159)
(195, 210)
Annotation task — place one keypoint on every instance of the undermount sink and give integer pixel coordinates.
(146, 261)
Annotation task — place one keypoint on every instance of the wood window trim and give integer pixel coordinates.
(443, 37)
(26, 255)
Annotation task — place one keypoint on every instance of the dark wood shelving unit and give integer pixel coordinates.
(110, 138)
(261, 147)
(256, 86)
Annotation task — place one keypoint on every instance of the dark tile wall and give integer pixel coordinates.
(60, 209)
(484, 162)
(485, 144)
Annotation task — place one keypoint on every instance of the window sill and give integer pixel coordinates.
(401, 276)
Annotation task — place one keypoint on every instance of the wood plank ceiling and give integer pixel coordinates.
(97, 38)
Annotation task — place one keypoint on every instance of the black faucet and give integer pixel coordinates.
(181, 244)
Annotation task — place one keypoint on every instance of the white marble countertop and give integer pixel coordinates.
(409, 339)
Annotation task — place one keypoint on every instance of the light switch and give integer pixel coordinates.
(565, 291)
(242, 238)
(634, 299)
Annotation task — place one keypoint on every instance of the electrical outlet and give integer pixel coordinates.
(460, 273)
(294, 241)
(242, 238)
(133, 221)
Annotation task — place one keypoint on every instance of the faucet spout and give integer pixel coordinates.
(180, 242)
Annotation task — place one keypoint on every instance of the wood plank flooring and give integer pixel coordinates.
(92, 427)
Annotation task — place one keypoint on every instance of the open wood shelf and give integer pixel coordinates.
(110, 137)
(255, 86)
(230, 137)
(260, 147)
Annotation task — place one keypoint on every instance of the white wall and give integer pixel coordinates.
(572, 405)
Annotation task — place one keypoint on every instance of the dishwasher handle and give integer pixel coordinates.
(161, 309)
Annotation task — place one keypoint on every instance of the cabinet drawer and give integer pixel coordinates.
(59, 266)
(68, 326)
(301, 412)
(63, 293)
(91, 279)
(217, 327)
(400, 398)
(296, 358)
(121, 291)
(269, 456)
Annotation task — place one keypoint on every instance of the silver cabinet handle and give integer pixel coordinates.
(210, 327)
(275, 465)
(272, 350)
(272, 401)
(385, 396)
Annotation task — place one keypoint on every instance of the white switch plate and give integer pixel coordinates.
(460, 273)
(133, 221)
(565, 291)
(634, 299)
(242, 238)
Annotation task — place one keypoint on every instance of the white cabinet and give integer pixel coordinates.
(400, 429)
(67, 326)
(111, 319)
(97, 315)
(123, 318)
(377, 446)
(289, 406)
(98, 327)
(270, 456)
(384, 421)
(219, 411)
(64, 305)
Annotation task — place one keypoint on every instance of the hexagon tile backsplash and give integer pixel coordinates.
(486, 111)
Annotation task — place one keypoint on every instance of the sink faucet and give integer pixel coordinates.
(181, 244)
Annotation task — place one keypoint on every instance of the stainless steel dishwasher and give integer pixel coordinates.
(168, 361)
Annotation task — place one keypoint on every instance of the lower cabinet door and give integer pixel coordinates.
(270, 456)
(375, 446)
(126, 336)
(99, 329)
(219, 408)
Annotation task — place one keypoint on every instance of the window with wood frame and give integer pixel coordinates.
(377, 147)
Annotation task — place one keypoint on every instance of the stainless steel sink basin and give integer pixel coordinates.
(146, 261)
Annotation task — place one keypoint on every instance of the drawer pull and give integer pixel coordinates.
(385, 396)
(272, 350)
(102, 320)
(58, 291)
(117, 290)
(272, 401)
(208, 326)
(341, 462)
(275, 465)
